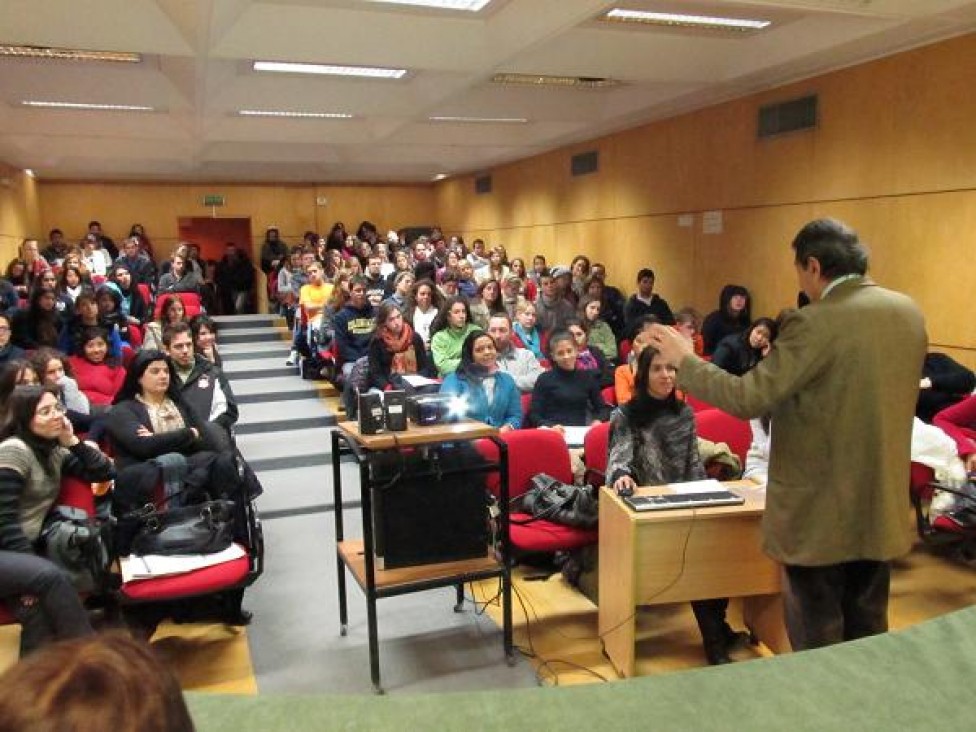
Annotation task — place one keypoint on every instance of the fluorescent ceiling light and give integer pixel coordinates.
(496, 120)
(440, 176)
(469, 5)
(28, 172)
(583, 82)
(687, 21)
(329, 69)
(68, 54)
(283, 113)
(97, 107)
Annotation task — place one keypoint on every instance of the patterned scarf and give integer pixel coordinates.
(404, 357)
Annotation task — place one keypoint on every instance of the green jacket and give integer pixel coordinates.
(445, 347)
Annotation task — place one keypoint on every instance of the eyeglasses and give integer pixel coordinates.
(51, 410)
(4, 328)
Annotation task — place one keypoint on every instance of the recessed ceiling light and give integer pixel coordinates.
(583, 82)
(85, 105)
(28, 172)
(68, 54)
(469, 5)
(283, 113)
(329, 69)
(496, 120)
(623, 15)
(440, 176)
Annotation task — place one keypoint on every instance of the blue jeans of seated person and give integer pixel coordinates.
(56, 612)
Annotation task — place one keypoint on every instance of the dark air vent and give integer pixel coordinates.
(482, 184)
(584, 163)
(796, 114)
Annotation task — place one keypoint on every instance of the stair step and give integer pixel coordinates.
(265, 412)
(253, 335)
(261, 373)
(285, 425)
(291, 461)
(237, 322)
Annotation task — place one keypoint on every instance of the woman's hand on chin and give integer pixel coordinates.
(66, 437)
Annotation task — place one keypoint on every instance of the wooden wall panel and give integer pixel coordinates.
(893, 155)
(19, 213)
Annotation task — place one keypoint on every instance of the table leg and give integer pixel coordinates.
(763, 616)
(459, 604)
(337, 505)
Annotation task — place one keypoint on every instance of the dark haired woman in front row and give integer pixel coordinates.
(653, 442)
(149, 420)
(38, 448)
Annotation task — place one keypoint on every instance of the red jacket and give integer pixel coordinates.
(99, 382)
(959, 422)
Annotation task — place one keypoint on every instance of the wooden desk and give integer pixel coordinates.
(358, 555)
(659, 557)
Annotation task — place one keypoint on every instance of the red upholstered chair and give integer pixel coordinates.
(718, 426)
(526, 400)
(697, 405)
(596, 448)
(191, 303)
(609, 396)
(943, 530)
(531, 452)
(625, 346)
(145, 292)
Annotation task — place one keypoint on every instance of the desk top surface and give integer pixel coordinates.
(418, 434)
(754, 493)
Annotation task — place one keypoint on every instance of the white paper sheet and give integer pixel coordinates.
(574, 435)
(697, 486)
(154, 565)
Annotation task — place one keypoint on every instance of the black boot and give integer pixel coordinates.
(716, 652)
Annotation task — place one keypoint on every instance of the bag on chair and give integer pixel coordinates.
(561, 503)
(204, 528)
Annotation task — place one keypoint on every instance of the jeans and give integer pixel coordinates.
(55, 614)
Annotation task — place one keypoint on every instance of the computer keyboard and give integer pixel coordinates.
(683, 500)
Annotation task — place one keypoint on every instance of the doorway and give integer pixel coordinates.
(212, 235)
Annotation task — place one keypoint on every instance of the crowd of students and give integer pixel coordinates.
(87, 371)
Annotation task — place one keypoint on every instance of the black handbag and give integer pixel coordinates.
(561, 503)
(204, 528)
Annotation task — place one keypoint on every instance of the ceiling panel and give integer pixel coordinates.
(197, 70)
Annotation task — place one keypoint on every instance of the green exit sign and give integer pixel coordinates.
(213, 199)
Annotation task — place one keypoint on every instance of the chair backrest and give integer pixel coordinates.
(718, 426)
(530, 452)
(596, 446)
(920, 479)
(191, 303)
(609, 396)
(526, 400)
(625, 346)
(697, 405)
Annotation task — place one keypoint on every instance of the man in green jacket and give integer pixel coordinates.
(840, 385)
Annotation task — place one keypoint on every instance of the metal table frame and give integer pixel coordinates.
(434, 576)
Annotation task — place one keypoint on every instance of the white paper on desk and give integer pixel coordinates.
(416, 380)
(155, 565)
(697, 486)
(574, 435)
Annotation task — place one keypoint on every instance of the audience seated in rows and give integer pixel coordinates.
(732, 317)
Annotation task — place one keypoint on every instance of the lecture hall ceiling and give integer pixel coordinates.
(196, 74)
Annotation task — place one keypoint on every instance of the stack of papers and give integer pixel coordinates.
(156, 565)
(697, 486)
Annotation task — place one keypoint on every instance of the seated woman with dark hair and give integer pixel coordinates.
(566, 396)
(54, 369)
(86, 316)
(653, 442)
(18, 372)
(490, 395)
(133, 306)
(739, 352)
(447, 333)
(171, 310)
(396, 350)
(38, 447)
(38, 325)
(589, 357)
(99, 376)
(148, 420)
(204, 332)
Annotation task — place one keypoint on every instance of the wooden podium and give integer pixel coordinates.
(677, 555)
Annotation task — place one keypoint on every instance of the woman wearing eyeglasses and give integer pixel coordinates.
(39, 447)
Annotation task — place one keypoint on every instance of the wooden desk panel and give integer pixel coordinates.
(659, 557)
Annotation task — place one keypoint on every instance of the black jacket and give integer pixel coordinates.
(199, 389)
(130, 449)
(735, 355)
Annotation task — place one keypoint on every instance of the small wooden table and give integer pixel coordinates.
(358, 555)
(661, 557)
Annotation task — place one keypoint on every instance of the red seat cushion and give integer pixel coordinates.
(718, 426)
(546, 536)
(199, 582)
(191, 303)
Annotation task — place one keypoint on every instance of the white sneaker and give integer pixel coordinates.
(292, 358)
